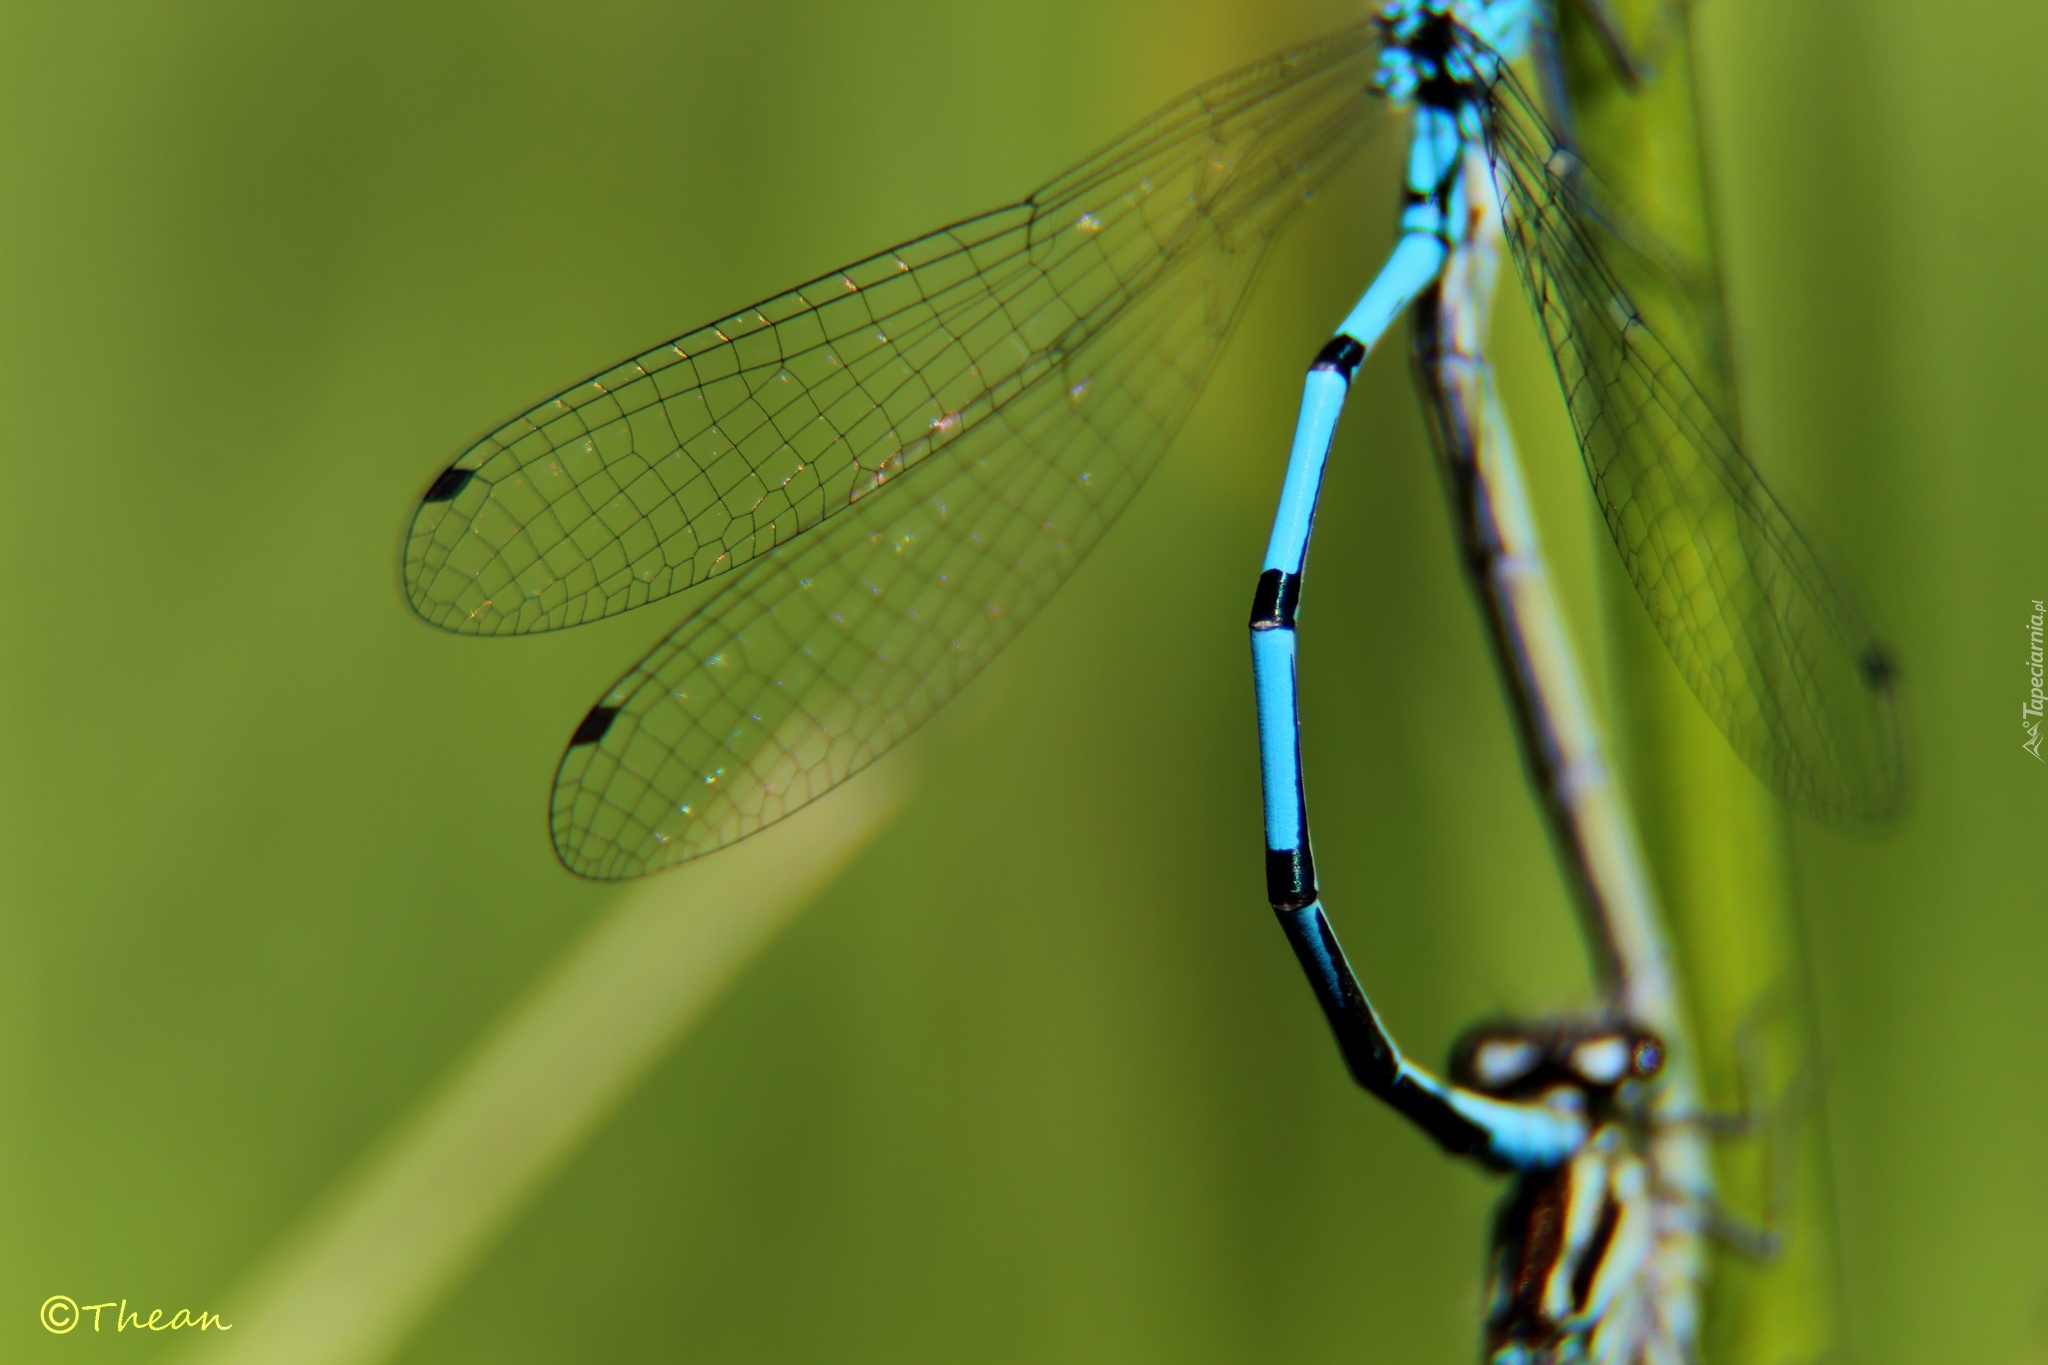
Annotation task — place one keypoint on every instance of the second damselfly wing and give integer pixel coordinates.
(1757, 1057)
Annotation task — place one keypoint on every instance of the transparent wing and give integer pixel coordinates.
(1051, 349)
(1776, 653)
(703, 454)
(1744, 1049)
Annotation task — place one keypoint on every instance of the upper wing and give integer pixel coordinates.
(1780, 658)
(707, 452)
(1051, 350)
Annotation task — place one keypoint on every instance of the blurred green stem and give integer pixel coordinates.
(1715, 837)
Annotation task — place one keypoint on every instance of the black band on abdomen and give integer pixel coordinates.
(1274, 604)
(1340, 353)
(1290, 877)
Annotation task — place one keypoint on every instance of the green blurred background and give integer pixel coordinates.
(1037, 1079)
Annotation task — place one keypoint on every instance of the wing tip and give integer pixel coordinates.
(447, 485)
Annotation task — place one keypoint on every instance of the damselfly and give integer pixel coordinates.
(898, 462)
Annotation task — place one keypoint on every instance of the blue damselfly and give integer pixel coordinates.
(1019, 373)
